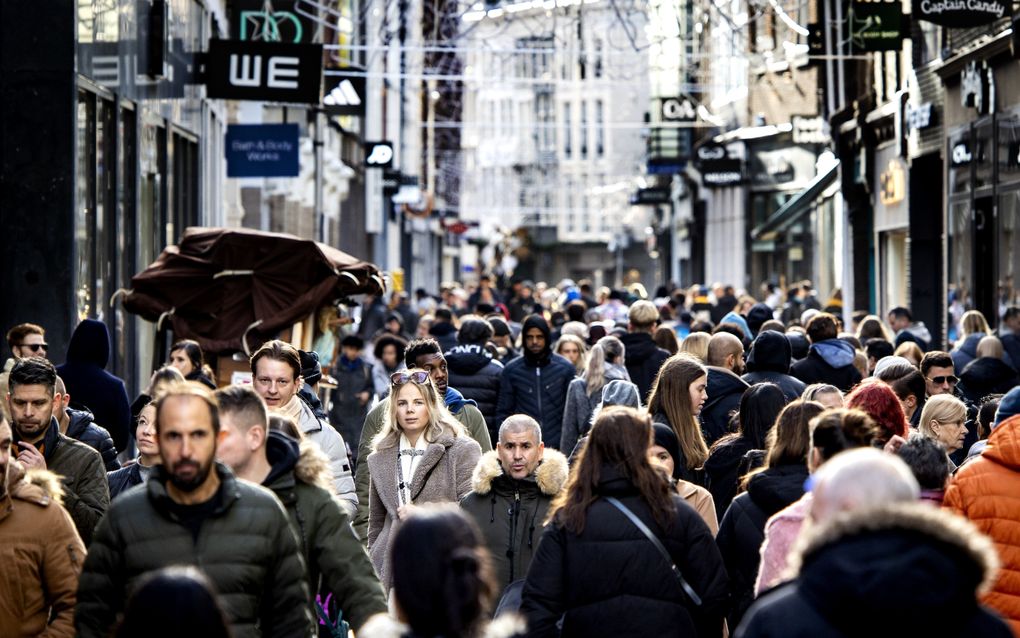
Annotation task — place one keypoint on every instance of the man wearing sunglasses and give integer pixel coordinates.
(427, 355)
(24, 340)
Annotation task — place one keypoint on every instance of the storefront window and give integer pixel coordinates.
(961, 155)
(84, 219)
(961, 243)
(983, 146)
(1009, 147)
(1009, 249)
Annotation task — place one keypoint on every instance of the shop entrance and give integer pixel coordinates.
(984, 256)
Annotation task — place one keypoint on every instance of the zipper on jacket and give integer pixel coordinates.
(514, 513)
(538, 388)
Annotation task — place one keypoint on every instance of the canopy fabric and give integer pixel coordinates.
(798, 205)
(232, 289)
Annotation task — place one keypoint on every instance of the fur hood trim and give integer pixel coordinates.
(41, 487)
(313, 466)
(551, 474)
(385, 626)
(939, 524)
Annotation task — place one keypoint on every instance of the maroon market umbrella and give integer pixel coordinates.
(232, 289)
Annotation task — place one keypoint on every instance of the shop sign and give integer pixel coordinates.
(718, 165)
(262, 150)
(378, 154)
(650, 196)
(264, 71)
(892, 183)
(874, 26)
(919, 117)
(678, 109)
(961, 13)
(976, 83)
(347, 97)
(810, 130)
(961, 155)
(250, 20)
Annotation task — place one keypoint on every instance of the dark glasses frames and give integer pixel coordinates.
(952, 380)
(35, 347)
(400, 378)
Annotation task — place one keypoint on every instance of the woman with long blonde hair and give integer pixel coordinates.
(605, 364)
(422, 454)
(678, 394)
(573, 349)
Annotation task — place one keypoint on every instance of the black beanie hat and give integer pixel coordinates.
(311, 371)
(665, 438)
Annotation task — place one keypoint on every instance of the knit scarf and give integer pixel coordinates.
(291, 409)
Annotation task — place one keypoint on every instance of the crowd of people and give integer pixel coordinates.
(529, 461)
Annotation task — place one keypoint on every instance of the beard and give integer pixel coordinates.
(189, 481)
(3, 480)
(28, 430)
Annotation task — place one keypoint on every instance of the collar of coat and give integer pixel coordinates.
(550, 475)
(311, 468)
(156, 486)
(930, 521)
(382, 466)
(41, 487)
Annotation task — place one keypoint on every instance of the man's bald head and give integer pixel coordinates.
(861, 478)
(726, 351)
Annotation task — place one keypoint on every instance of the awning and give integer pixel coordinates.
(799, 204)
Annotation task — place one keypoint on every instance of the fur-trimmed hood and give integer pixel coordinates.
(385, 626)
(879, 562)
(305, 461)
(41, 487)
(550, 475)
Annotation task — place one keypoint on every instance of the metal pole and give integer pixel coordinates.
(320, 217)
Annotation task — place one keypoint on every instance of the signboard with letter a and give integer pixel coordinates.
(262, 150)
(264, 71)
(961, 13)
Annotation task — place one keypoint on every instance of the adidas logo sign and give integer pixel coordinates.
(343, 94)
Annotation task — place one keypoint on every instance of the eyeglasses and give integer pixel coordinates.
(400, 378)
(35, 347)
(950, 379)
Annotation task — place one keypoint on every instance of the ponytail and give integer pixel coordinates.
(609, 349)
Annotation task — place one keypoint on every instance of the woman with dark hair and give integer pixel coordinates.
(831, 432)
(161, 378)
(186, 356)
(137, 471)
(389, 358)
(446, 591)
(421, 455)
(678, 394)
(665, 338)
(734, 455)
(598, 573)
(665, 447)
(173, 602)
(778, 484)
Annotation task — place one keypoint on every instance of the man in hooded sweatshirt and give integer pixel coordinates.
(829, 359)
(769, 361)
(907, 330)
(643, 357)
(512, 488)
(427, 355)
(298, 474)
(536, 384)
(474, 371)
(87, 380)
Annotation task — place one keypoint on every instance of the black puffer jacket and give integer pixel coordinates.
(911, 570)
(610, 580)
(984, 376)
(724, 392)
(445, 334)
(83, 428)
(537, 386)
(769, 362)
(510, 513)
(124, 479)
(726, 463)
(742, 529)
(643, 360)
(246, 547)
(476, 374)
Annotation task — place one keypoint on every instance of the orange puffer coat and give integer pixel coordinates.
(985, 491)
(41, 557)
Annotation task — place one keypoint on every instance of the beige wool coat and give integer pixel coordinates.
(442, 476)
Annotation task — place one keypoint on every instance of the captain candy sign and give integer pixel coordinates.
(961, 13)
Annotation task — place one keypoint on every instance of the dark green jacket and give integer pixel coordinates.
(337, 561)
(246, 548)
(83, 476)
(510, 513)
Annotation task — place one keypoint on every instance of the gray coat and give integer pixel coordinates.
(443, 476)
(580, 406)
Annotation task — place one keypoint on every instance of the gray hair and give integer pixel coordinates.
(861, 478)
(517, 423)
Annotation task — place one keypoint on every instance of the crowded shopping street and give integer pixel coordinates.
(509, 319)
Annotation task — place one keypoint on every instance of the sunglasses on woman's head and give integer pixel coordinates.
(400, 378)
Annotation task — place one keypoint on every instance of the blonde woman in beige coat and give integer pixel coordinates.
(421, 455)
